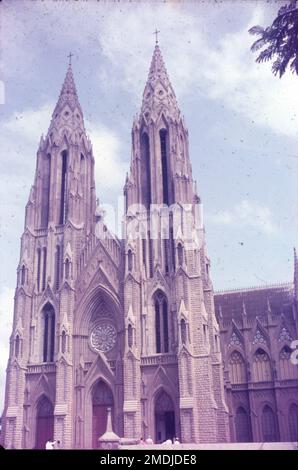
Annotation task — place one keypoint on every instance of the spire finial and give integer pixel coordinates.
(70, 55)
(156, 35)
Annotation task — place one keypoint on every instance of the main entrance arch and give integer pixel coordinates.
(164, 412)
(102, 398)
(44, 422)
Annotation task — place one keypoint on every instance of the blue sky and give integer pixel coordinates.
(242, 120)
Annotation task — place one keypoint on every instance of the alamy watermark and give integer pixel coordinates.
(178, 222)
(294, 354)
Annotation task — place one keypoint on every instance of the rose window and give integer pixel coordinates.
(103, 337)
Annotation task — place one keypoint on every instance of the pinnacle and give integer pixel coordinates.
(158, 91)
(157, 67)
(68, 92)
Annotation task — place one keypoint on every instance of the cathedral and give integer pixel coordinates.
(132, 324)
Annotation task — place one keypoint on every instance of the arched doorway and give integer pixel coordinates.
(164, 417)
(242, 425)
(102, 398)
(269, 429)
(44, 422)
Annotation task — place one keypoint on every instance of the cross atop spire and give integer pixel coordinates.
(70, 55)
(156, 35)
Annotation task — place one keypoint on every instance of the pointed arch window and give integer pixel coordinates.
(57, 267)
(172, 243)
(82, 172)
(164, 164)
(157, 327)
(166, 254)
(63, 342)
(293, 422)
(67, 268)
(161, 324)
(151, 262)
(261, 366)
(183, 331)
(130, 335)
(242, 425)
(45, 191)
(17, 346)
(237, 368)
(165, 326)
(180, 254)
(144, 248)
(269, 429)
(38, 268)
(129, 260)
(287, 369)
(49, 333)
(23, 275)
(62, 216)
(145, 171)
(44, 270)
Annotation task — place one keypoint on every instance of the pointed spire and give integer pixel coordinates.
(159, 93)
(71, 118)
(157, 68)
(68, 92)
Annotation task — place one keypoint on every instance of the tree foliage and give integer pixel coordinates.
(280, 40)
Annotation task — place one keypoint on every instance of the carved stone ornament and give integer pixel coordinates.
(103, 337)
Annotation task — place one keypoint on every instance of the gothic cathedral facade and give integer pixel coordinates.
(104, 322)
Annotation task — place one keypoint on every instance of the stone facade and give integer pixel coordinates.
(257, 327)
(127, 324)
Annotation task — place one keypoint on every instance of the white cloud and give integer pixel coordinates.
(199, 59)
(224, 70)
(6, 317)
(247, 214)
(110, 167)
(29, 124)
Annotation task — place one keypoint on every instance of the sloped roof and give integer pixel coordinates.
(255, 301)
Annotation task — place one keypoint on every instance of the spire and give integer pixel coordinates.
(68, 92)
(159, 93)
(68, 112)
(157, 68)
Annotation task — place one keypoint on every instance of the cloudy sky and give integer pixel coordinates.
(242, 120)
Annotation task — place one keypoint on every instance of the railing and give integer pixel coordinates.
(41, 232)
(159, 359)
(41, 369)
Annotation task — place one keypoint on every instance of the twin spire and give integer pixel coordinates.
(158, 93)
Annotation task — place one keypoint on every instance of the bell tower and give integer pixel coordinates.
(167, 289)
(59, 218)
